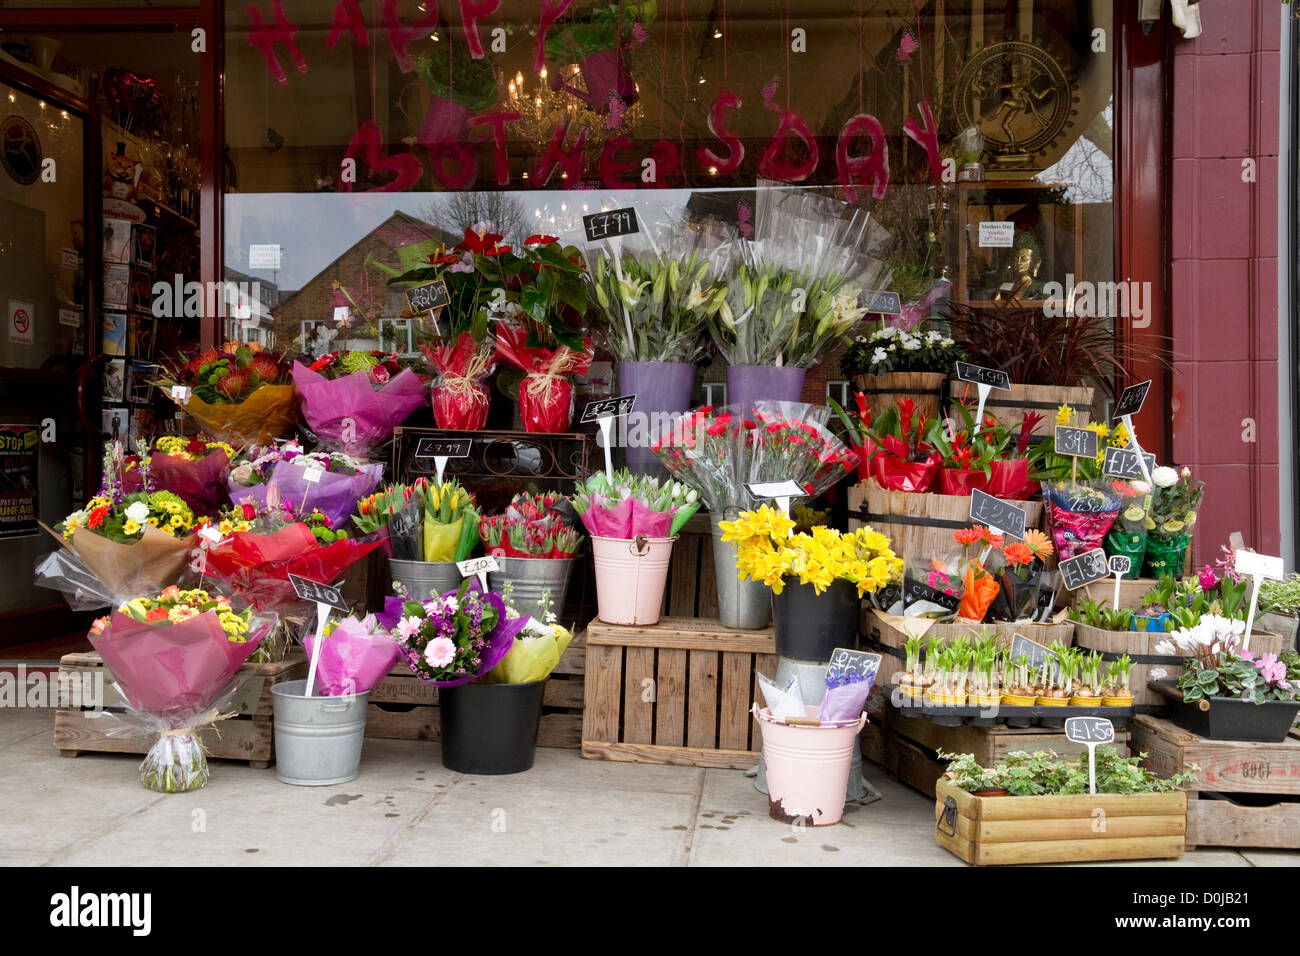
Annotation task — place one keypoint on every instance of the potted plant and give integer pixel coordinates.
(633, 521)
(1116, 692)
(912, 681)
(965, 771)
(984, 690)
(1056, 683)
(1018, 688)
(819, 611)
(891, 363)
(1153, 615)
(984, 458)
(1279, 605)
(1128, 535)
(936, 660)
(1227, 692)
(1172, 518)
(1089, 691)
(535, 545)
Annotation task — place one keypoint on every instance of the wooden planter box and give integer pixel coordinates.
(1247, 794)
(403, 707)
(250, 735)
(987, 831)
(675, 693)
(1008, 408)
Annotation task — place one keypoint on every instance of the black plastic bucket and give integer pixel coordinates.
(809, 626)
(490, 728)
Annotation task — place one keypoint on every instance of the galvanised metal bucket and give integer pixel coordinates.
(317, 739)
(421, 578)
(528, 578)
(741, 604)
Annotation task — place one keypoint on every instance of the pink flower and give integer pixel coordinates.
(408, 627)
(440, 652)
(379, 374)
(906, 47)
(1208, 578)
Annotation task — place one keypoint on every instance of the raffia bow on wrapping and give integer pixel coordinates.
(545, 395)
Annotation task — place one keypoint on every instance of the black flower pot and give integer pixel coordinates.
(490, 728)
(809, 626)
(1228, 718)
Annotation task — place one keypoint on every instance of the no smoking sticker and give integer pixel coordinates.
(20, 322)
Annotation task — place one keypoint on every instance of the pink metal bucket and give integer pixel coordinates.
(630, 578)
(807, 768)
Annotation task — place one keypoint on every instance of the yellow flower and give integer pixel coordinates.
(131, 527)
(176, 521)
(1064, 415)
(152, 520)
(1119, 437)
(224, 527)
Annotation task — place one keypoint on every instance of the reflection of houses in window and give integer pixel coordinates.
(304, 321)
(247, 309)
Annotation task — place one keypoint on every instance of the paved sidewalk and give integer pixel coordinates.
(406, 809)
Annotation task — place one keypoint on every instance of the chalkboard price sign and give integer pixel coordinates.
(1084, 569)
(1123, 463)
(310, 590)
(608, 408)
(882, 303)
(862, 663)
(1089, 730)
(1007, 518)
(1076, 442)
(477, 565)
(428, 298)
(1120, 564)
(1130, 401)
(442, 448)
(979, 375)
(607, 225)
(1036, 653)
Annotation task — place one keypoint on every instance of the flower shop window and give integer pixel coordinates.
(974, 140)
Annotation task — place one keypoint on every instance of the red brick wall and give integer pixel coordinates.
(1224, 270)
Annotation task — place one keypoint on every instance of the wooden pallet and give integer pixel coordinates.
(677, 693)
(250, 735)
(987, 831)
(403, 707)
(1247, 793)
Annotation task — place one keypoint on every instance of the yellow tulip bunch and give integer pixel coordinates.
(769, 550)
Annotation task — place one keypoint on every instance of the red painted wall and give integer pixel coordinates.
(1223, 246)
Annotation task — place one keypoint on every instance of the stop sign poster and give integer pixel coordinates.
(19, 446)
(22, 315)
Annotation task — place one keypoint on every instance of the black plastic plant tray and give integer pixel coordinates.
(1010, 714)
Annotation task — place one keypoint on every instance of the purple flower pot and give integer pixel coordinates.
(661, 389)
(747, 384)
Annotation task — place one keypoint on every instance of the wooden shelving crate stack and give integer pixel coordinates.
(1247, 794)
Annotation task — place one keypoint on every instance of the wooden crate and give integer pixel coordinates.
(919, 524)
(692, 588)
(906, 746)
(1247, 793)
(250, 735)
(676, 693)
(889, 632)
(986, 831)
(403, 707)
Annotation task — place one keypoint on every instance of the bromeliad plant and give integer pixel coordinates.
(894, 445)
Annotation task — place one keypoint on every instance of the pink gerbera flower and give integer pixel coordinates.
(440, 652)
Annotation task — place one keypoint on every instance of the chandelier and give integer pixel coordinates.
(541, 110)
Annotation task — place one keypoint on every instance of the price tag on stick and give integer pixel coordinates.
(441, 449)
(984, 379)
(1084, 569)
(326, 596)
(1127, 463)
(999, 516)
(1258, 566)
(1120, 565)
(480, 567)
(603, 412)
(429, 297)
(1090, 731)
(782, 491)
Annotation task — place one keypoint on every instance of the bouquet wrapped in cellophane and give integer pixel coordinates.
(794, 291)
(717, 451)
(330, 482)
(239, 393)
(536, 649)
(352, 401)
(355, 655)
(174, 657)
(424, 521)
(655, 287)
(629, 506)
(192, 468)
(532, 526)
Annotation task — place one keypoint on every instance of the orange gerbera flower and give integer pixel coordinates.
(1017, 553)
(968, 536)
(1039, 544)
(995, 540)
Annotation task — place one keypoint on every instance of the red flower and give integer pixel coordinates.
(196, 446)
(483, 244)
(540, 240)
(97, 517)
(155, 614)
(379, 373)
(445, 259)
(249, 512)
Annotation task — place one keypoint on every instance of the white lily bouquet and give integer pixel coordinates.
(656, 287)
(795, 289)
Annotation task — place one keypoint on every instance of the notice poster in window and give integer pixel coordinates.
(19, 450)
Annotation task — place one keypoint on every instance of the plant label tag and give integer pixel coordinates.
(180, 394)
(1130, 401)
(607, 225)
(312, 475)
(1120, 564)
(443, 447)
(1236, 542)
(882, 303)
(210, 535)
(477, 565)
(608, 408)
(428, 297)
(775, 489)
(1125, 463)
(1258, 565)
(979, 375)
(998, 515)
(1076, 442)
(1084, 568)
(1089, 730)
(310, 590)
(863, 664)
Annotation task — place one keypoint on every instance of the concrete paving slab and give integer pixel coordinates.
(22, 723)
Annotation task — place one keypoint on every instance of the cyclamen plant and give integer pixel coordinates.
(1217, 666)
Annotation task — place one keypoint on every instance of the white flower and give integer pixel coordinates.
(932, 337)
(878, 355)
(1186, 472)
(911, 345)
(138, 511)
(1164, 477)
(1166, 648)
(1140, 486)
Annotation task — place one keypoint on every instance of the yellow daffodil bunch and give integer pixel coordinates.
(769, 550)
